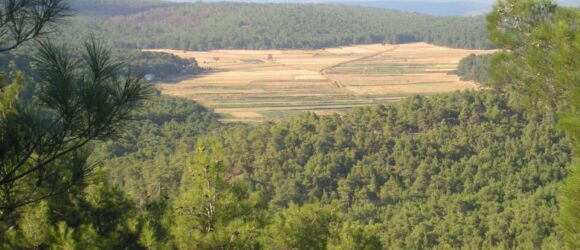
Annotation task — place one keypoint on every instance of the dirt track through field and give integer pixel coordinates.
(324, 71)
(260, 85)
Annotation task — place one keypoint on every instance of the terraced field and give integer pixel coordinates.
(259, 85)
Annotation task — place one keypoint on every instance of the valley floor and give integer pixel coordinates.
(261, 85)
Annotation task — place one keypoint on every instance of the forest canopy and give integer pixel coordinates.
(418, 172)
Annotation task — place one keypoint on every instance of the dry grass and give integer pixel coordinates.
(245, 85)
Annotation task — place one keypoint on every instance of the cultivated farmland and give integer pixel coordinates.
(258, 85)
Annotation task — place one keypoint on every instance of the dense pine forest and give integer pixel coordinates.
(417, 174)
(204, 26)
(451, 170)
(92, 157)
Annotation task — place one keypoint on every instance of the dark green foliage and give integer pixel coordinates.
(474, 68)
(78, 101)
(43, 138)
(451, 170)
(147, 160)
(204, 26)
(22, 21)
(456, 170)
(539, 65)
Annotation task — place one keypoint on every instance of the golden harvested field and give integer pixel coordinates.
(259, 85)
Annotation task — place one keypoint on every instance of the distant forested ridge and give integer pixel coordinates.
(204, 26)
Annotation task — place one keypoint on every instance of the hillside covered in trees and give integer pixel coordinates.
(204, 26)
(452, 170)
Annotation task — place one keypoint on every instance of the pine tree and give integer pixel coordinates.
(212, 212)
(539, 63)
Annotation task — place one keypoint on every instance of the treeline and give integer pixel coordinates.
(474, 68)
(204, 26)
(161, 65)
